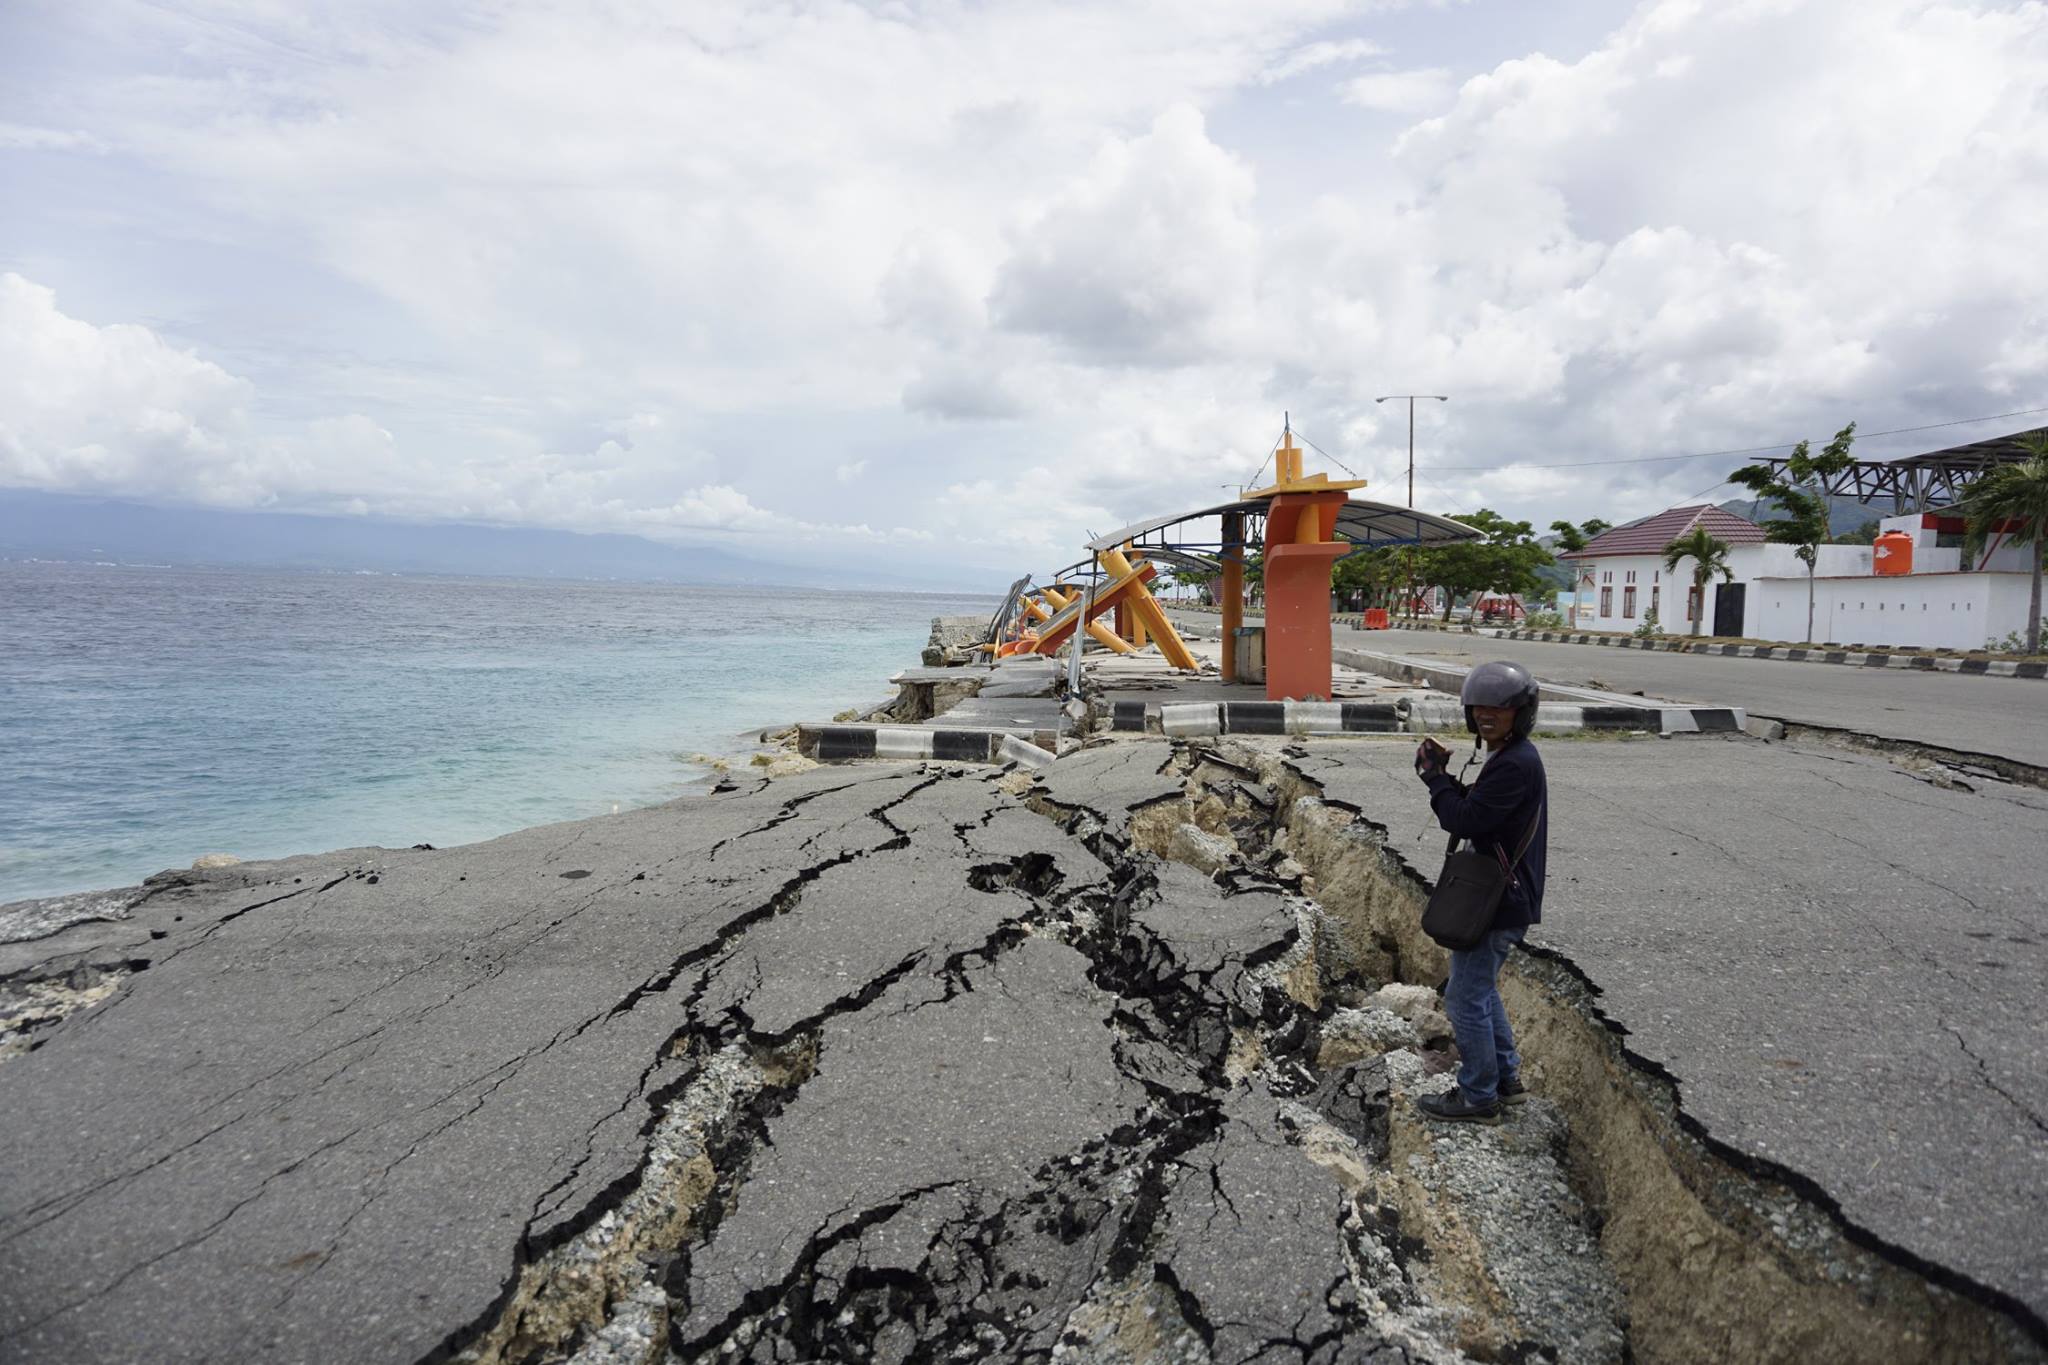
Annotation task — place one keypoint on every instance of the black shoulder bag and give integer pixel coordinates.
(1469, 889)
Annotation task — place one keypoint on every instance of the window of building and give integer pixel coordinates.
(1607, 601)
(1631, 576)
(1654, 590)
(1628, 601)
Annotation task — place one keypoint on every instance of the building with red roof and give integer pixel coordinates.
(1936, 600)
(1620, 575)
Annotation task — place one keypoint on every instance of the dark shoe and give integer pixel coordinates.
(1452, 1106)
(1512, 1091)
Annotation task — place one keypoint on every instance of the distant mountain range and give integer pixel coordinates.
(1844, 514)
(61, 526)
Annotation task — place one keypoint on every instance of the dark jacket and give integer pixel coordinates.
(1495, 812)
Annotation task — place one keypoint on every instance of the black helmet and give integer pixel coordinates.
(1501, 683)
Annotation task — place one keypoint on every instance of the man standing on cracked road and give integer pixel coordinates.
(1505, 809)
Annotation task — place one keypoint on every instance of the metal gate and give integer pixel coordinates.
(1728, 608)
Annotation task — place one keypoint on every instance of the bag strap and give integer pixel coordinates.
(1521, 849)
(1528, 838)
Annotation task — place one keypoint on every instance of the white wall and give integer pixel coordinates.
(1649, 572)
(1745, 561)
(1936, 606)
(1935, 610)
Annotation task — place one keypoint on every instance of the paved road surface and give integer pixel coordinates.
(326, 1108)
(1841, 965)
(961, 1070)
(2007, 716)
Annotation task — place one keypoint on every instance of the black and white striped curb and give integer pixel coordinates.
(1562, 717)
(1812, 654)
(845, 743)
(1257, 718)
(1189, 719)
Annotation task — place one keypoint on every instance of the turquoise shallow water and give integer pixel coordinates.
(149, 715)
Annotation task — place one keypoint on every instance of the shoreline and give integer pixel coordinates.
(451, 770)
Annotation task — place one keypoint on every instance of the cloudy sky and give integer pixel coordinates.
(956, 282)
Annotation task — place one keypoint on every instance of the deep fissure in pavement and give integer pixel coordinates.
(1256, 1088)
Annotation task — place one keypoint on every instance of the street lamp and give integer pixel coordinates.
(1411, 397)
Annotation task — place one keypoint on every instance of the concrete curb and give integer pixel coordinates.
(1567, 717)
(845, 743)
(1925, 663)
(1257, 718)
(1560, 707)
(1179, 720)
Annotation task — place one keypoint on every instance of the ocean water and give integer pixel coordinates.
(151, 715)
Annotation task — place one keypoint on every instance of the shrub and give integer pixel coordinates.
(1649, 629)
(2015, 642)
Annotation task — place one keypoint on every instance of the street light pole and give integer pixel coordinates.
(1411, 397)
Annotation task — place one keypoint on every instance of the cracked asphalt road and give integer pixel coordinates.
(342, 1107)
(338, 1101)
(1839, 963)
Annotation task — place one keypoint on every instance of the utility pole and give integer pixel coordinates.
(1411, 397)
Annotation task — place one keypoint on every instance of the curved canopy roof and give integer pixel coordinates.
(1179, 559)
(1365, 523)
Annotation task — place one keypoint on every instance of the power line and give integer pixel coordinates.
(1326, 454)
(1254, 479)
(1750, 450)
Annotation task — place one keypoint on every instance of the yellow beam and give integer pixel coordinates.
(1147, 609)
(1097, 631)
(1138, 636)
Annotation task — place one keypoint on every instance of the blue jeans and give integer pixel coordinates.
(1486, 1045)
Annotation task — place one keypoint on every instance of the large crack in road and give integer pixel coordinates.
(1114, 1064)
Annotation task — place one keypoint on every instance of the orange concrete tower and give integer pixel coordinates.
(1301, 547)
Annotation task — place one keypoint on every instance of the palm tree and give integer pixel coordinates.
(1800, 492)
(2017, 493)
(1709, 556)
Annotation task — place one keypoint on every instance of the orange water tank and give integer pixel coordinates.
(1892, 553)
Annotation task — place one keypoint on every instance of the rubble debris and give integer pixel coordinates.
(953, 639)
(32, 1003)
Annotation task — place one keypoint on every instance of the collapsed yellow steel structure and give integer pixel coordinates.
(1060, 613)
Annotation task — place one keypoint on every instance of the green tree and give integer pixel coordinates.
(1203, 581)
(1571, 539)
(2016, 496)
(1866, 534)
(1505, 560)
(1368, 575)
(1709, 556)
(1801, 501)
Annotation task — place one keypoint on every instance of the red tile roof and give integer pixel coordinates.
(1650, 535)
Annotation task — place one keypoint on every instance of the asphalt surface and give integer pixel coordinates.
(328, 1107)
(1979, 715)
(1840, 964)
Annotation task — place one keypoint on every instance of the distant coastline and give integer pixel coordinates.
(68, 528)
